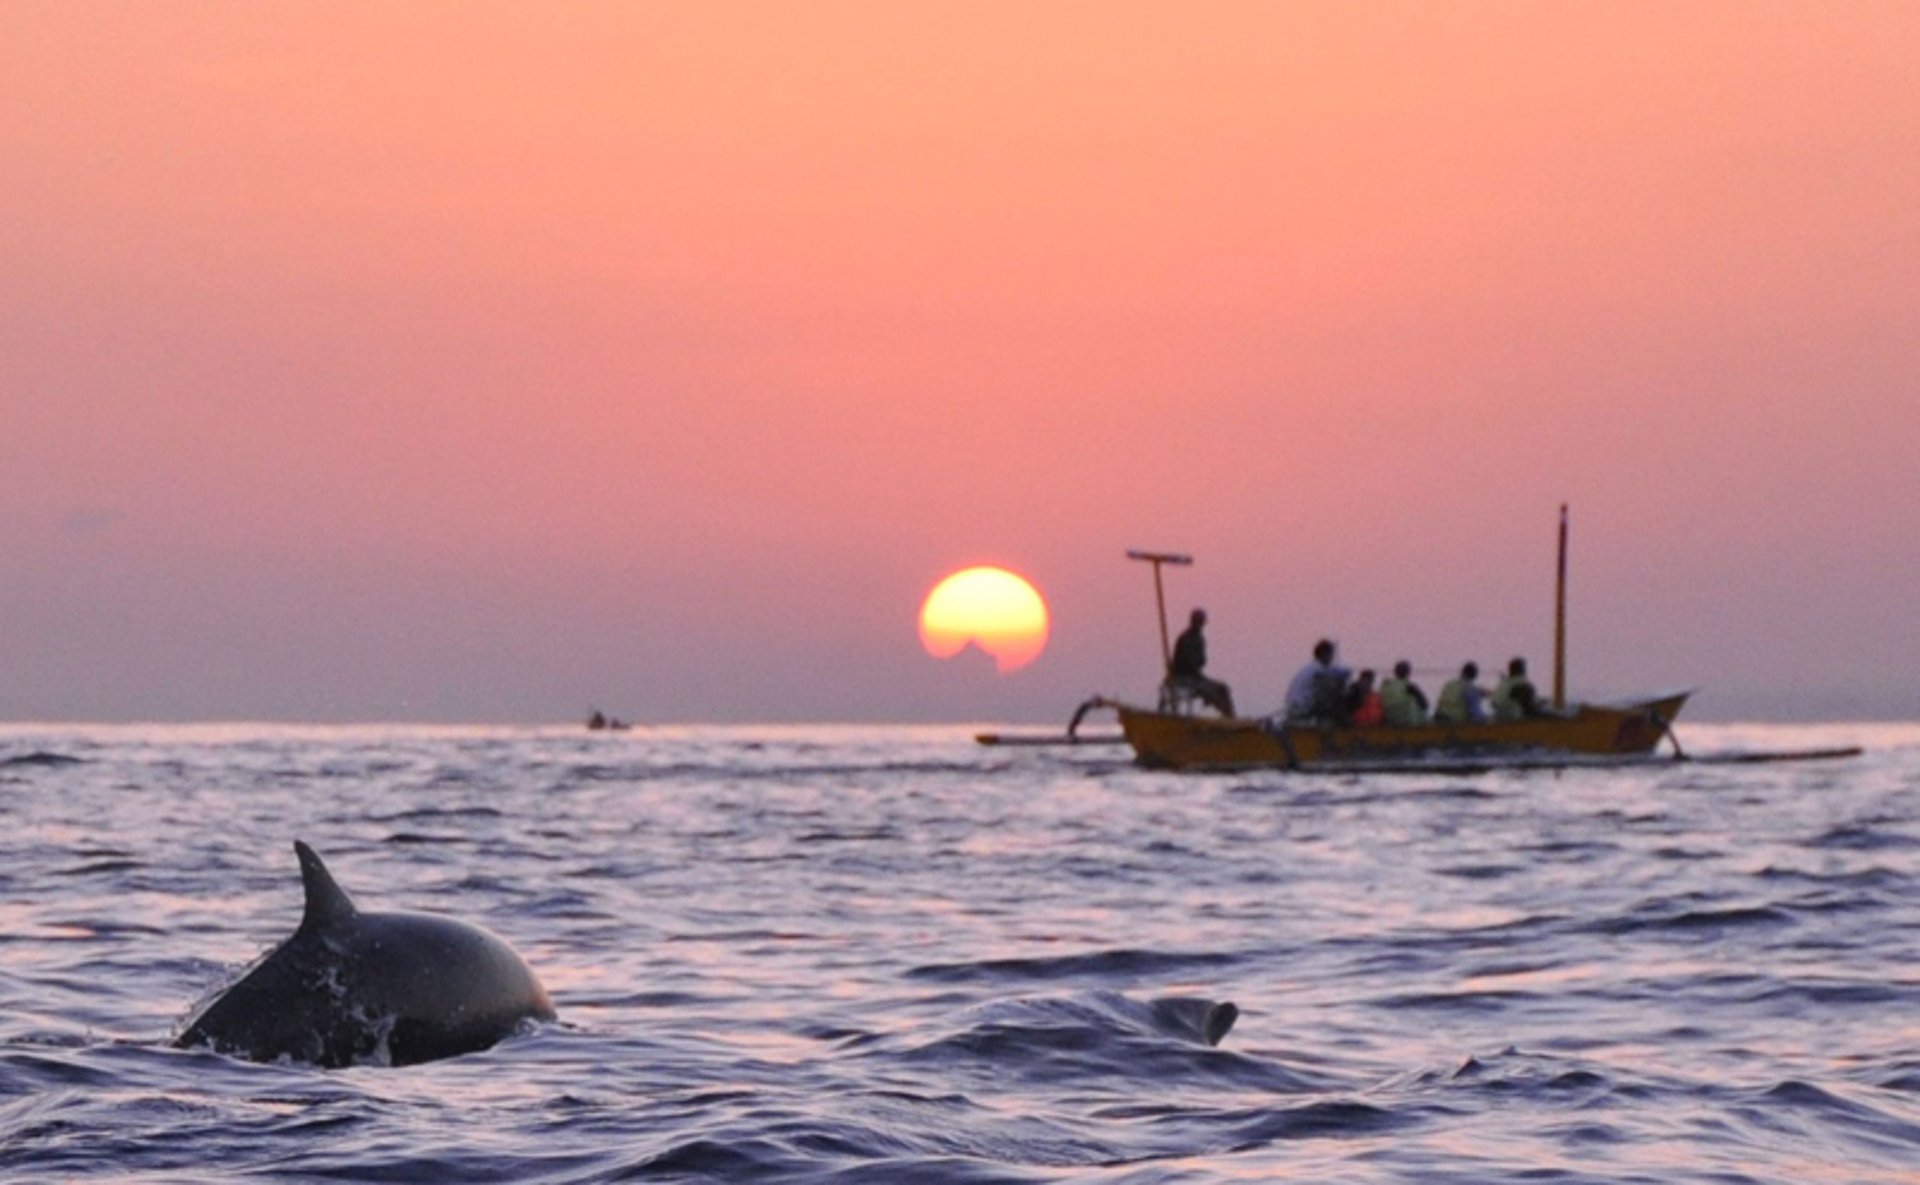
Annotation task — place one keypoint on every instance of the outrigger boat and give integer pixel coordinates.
(1172, 736)
(1586, 733)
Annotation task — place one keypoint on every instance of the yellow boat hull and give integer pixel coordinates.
(1170, 741)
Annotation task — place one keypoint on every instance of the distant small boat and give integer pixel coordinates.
(600, 722)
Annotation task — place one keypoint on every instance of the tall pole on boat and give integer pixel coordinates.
(1157, 558)
(1560, 621)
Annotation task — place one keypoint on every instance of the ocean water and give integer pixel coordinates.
(889, 954)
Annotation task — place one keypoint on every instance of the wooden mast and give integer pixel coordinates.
(1157, 558)
(1560, 621)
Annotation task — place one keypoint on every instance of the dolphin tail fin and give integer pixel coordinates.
(327, 903)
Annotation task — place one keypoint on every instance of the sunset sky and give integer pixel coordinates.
(491, 362)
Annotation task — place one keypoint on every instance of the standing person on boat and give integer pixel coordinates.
(1319, 690)
(1515, 698)
(1402, 703)
(1190, 660)
(1461, 700)
(1364, 706)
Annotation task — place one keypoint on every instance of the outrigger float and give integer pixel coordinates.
(1171, 735)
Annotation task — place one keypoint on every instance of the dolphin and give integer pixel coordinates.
(347, 987)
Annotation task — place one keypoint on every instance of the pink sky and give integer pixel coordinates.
(488, 362)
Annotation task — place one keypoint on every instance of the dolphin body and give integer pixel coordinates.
(347, 987)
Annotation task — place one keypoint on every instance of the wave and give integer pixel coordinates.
(1103, 965)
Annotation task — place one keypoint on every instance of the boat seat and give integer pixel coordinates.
(1179, 697)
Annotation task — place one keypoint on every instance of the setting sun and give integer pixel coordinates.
(990, 608)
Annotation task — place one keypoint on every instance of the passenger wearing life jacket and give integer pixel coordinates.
(1402, 703)
(1515, 697)
(1461, 700)
(1363, 702)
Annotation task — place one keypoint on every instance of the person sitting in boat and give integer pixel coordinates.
(1515, 697)
(1461, 700)
(1364, 707)
(1318, 691)
(1402, 703)
(1185, 672)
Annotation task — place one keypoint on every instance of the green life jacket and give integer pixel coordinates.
(1452, 708)
(1400, 708)
(1505, 707)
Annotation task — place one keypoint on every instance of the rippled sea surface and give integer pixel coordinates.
(888, 954)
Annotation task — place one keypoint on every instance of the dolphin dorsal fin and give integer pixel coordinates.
(327, 903)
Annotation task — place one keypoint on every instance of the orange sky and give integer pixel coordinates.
(483, 361)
